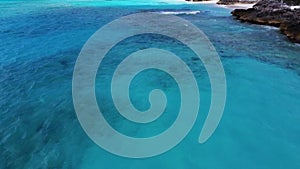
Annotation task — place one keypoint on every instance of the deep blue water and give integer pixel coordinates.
(40, 42)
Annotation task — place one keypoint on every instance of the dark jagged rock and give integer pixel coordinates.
(274, 13)
(292, 2)
(291, 30)
(231, 2)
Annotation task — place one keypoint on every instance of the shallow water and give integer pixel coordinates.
(39, 45)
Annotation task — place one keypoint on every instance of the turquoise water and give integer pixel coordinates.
(39, 44)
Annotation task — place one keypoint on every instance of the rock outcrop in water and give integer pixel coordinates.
(274, 13)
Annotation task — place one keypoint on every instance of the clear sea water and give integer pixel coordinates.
(39, 44)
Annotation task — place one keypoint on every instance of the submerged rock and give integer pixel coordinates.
(274, 13)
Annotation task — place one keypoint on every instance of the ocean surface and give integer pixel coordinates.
(40, 42)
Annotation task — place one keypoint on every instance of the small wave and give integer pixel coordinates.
(180, 12)
(270, 27)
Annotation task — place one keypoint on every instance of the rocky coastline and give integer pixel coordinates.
(273, 13)
(269, 12)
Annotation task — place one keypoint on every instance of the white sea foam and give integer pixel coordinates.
(180, 12)
(270, 27)
(203, 2)
(295, 7)
(237, 6)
